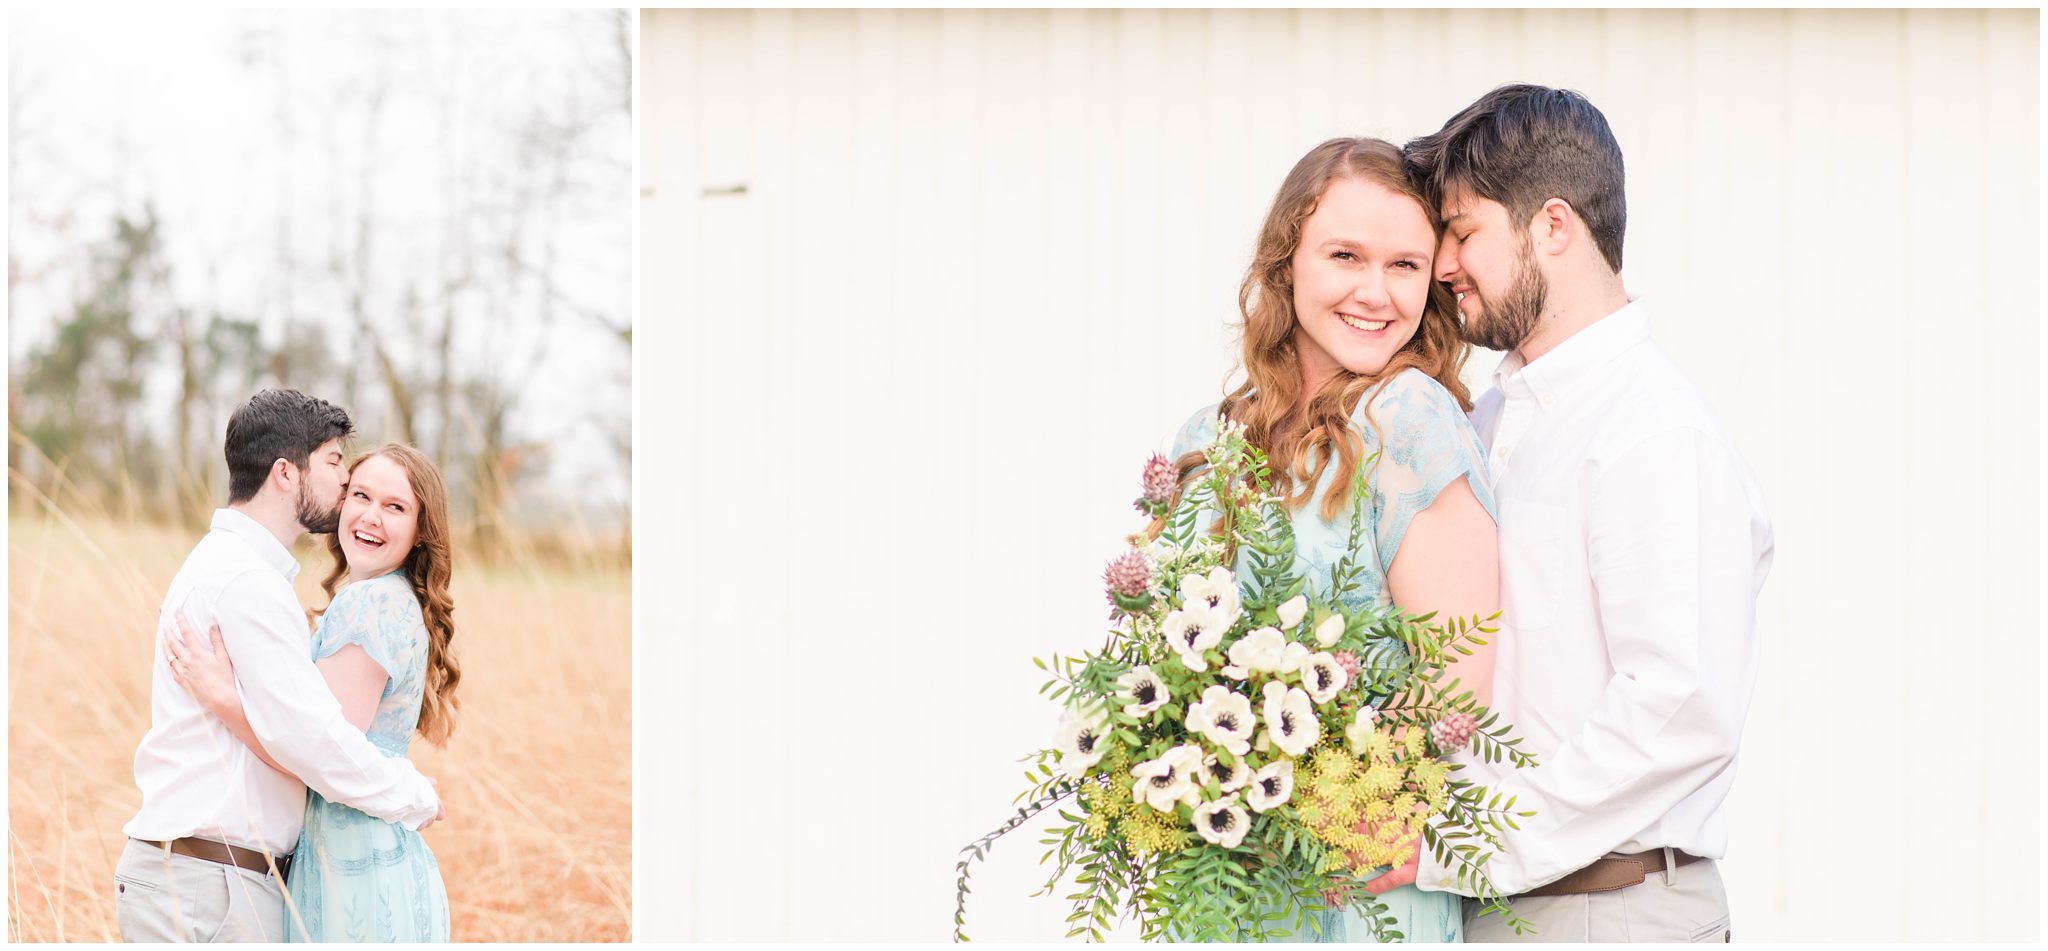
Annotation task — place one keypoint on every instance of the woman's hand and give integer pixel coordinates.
(205, 672)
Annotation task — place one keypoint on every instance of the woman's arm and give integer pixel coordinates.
(1449, 562)
(209, 676)
(356, 681)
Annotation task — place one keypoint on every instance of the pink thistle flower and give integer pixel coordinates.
(1128, 575)
(1348, 661)
(1453, 732)
(1159, 480)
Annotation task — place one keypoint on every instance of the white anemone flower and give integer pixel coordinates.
(1360, 729)
(1291, 718)
(1322, 676)
(1083, 738)
(1261, 650)
(1222, 822)
(1188, 754)
(1190, 631)
(1293, 611)
(1328, 632)
(1169, 780)
(1143, 690)
(1216, 591)
(1271, 786)
(1229, 778)
(1224, 718)
(1293, 657)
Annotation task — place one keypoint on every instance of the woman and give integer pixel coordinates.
(382, 645)
(1351, 349)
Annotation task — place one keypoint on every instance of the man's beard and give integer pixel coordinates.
(315, 519)
(1504, 324)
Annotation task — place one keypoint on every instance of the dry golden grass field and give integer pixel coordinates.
(537, 778)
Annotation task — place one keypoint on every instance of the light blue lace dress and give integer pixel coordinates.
(355, 877)
(1425, 444)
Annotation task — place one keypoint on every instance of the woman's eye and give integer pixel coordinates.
(1345, 256)
(360, 496)
(1410, 265)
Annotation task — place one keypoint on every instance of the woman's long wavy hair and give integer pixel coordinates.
(1303, 437)
(427, 567)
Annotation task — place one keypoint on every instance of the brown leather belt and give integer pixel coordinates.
(224, 854)
(1611, 872)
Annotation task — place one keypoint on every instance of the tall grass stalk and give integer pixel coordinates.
(537, 777)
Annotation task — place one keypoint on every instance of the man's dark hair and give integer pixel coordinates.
(277, 424)
(1522, 145)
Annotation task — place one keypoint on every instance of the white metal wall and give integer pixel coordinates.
(921, 289)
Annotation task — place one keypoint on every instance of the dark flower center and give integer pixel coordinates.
(1163, 780)
(1222, 771)
(1287, 722)
(1227, 722)
(1087, 742)
(1146, 691)
(1221, 820)
(1322, 677)
(1271, 785)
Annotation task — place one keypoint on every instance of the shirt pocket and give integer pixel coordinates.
(1533, 555)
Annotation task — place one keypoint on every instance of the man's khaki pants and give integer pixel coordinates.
(1693, 907)
(160, 895)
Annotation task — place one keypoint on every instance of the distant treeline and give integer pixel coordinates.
(85, 424)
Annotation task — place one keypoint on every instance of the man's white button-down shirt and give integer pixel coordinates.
(196, 778)
(1633, 543)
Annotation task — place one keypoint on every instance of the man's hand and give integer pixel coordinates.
(1399, 875)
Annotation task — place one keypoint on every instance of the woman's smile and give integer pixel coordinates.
(1371, 327)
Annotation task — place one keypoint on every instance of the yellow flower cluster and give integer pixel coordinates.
(1365, 810)
(1116, 764)
(1108, 810)
(1432, 777)
(1416, 741)
(1334, 762)
(1102, 804)
(1147, 830)
(1379, 747)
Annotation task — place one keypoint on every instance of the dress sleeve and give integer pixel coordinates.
(1198, 431)
(377, 616)
(1425, 444)
(297, 719)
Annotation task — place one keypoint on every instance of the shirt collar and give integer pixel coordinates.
(1579, 355)
(259, 538)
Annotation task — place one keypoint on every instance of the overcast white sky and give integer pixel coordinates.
(257, 192)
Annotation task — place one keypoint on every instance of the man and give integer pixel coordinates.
(1633, 542)
(207, 851)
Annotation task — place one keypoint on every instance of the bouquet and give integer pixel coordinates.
(1242, 750)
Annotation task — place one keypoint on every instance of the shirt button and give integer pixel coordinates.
(1549, 400)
